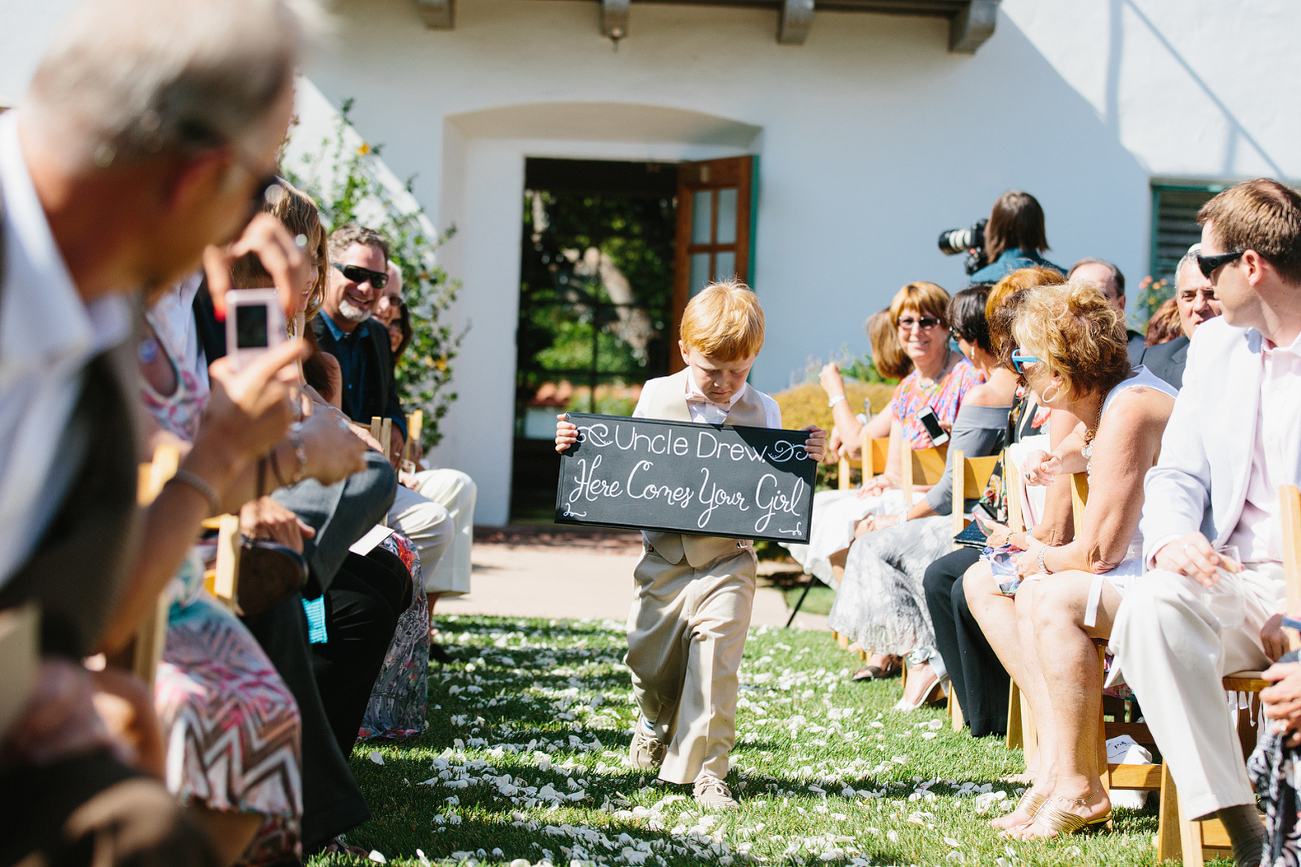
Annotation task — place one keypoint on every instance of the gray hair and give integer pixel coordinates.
(1118, 277)
(1189, 258)
(128, 80)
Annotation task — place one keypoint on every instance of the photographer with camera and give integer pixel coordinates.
(1012, 238)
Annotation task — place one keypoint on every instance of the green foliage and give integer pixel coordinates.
(352, 193)
(1151, 295)
(596, 287)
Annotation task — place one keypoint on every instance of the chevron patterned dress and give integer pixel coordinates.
(232, 726)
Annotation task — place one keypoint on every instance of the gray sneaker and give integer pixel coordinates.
(710, 791)
(646, 752)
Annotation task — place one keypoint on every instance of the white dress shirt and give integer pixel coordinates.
(1259, 532)
(47, 336)
(702, 409)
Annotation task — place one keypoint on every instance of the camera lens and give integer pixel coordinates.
(954, 241)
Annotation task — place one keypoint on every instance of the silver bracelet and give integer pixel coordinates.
(1043, 570)
(200, 484)
(903, 514)
(835, 400)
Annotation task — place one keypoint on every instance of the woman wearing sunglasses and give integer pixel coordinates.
(880, 601)
(940, 379)
(1072, 355)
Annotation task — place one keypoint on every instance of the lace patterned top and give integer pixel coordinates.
(944, 396)
(177, 413)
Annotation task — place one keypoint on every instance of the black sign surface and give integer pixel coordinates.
(678, 477)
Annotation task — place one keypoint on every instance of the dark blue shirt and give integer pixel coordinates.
(352, 355)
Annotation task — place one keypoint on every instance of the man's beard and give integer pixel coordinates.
(352, 312)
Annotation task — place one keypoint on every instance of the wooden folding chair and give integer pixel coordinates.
(875, 449)
(151, 634)
(415, 424)
(381, 429)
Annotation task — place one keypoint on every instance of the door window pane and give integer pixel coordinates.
(727, 216)
(699, 272)
(725, 269)
(702, 214)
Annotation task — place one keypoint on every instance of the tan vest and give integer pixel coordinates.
(669, 402)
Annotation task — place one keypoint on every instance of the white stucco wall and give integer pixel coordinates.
(872, 138)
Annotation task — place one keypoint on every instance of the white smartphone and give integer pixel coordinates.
(254, 324)
(939, 436)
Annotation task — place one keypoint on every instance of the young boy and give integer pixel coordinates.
(693, 594)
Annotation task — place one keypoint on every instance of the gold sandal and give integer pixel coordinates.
(1030, 803)
(1061, 823)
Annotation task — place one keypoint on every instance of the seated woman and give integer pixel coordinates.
(879, 602)
(891, 362)
(1073, 354)
(940, 379)
(976, 677)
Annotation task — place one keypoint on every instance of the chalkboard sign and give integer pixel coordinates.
(678, 477)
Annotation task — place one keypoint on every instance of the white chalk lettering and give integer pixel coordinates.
(767, 496)
(588, 487)
(679, 497)
(717, 497)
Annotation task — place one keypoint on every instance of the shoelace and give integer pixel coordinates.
(707, 783)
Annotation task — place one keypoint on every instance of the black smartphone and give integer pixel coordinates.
(932, 424)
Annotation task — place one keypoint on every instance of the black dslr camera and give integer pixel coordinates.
(970, 241)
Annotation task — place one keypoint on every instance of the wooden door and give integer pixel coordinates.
(715, 221)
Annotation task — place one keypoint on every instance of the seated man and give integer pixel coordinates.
(134, 154)
(1196, 302)
(1111, 281)
(453, 490)
(1231, 441)
(344, 327)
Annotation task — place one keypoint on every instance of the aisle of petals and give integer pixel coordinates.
(524, 764)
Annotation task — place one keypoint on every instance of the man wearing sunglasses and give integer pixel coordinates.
(359, 273)
(1230, 443)
(1196, 302)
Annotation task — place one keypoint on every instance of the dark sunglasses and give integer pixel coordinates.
(1208, 264)
(925, 322)
(358, 274)
(1019, 358)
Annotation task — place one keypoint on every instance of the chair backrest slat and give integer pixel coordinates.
(1290, 512)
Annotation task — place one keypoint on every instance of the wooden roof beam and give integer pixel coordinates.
(796, 17)
(437, 14)
(971, 27)
(614, 19)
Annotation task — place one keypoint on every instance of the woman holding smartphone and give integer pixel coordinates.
(941, 377)
(1072, 354)
(879, 603)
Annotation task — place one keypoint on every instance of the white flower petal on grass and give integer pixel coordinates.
(424, 862)
(377, 857)
(377, 759)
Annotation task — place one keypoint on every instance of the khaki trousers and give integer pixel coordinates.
(1173, 653)
(456, 493)
(686, 634)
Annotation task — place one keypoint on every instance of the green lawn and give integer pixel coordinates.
(525, 759)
